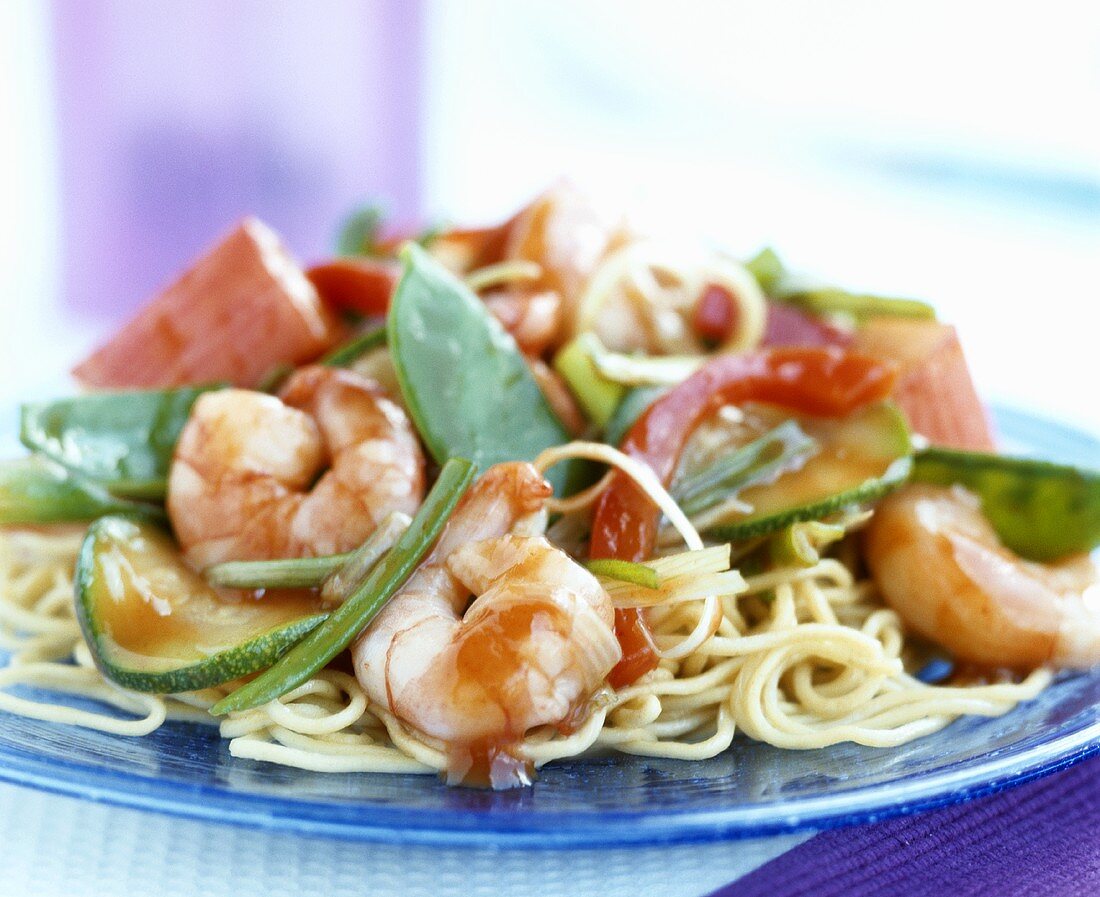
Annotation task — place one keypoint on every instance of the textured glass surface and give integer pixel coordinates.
(750, 790)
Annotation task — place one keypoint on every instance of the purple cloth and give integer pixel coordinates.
(1042, 838)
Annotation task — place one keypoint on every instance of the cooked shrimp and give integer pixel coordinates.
(533, 318)
(244, 484)
(567, 237)
(529, 651)
(939, 564)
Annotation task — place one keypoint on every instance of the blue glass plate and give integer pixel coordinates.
(750, 790)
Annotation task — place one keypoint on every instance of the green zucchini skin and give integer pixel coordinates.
(866, 493)
(256, 652)
(1041, 510)
(886, 434)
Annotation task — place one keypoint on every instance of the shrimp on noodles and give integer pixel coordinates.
(529, 651)
(244, 484)
(939, 564)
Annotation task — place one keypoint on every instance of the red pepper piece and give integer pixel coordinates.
(826, 382)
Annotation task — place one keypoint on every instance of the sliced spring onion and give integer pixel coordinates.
(645, 370)
(833, 300)
(360, 232)
(309, 573)
(355, 348)
(503, 272)
(361, 561)
(351, 617)
(285, 573)
(800, 544)
(687, 576)
(625, 571)
(767, 268)
(597, 396)
(763, 459)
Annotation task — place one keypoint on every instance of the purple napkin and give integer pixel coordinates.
(1038, 839)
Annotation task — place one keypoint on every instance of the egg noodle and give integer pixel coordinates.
(797, 657)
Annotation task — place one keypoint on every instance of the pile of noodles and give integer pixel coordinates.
(798, 657)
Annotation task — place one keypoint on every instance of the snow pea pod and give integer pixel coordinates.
(466, 385)
(1041, 510)
(35, 490)
(123, 441)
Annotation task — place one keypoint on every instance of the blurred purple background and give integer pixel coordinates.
(177, 119)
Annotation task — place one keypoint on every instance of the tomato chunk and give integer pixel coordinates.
(242, 309)
(934, 389)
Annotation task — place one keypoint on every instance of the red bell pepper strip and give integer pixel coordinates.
(362, 285)
(826, 382)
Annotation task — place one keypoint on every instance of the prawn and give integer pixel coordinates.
(529, 651)
(938, 562)
(243, 484)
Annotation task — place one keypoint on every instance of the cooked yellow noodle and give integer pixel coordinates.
(804, 658)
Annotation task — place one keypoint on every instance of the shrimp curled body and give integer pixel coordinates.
(244, 484)
(939, 564)
(530, 650)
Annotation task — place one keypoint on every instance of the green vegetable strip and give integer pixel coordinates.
(344, 355)
(35, 490)
(767, 268)
(800, 544)
(364, 559)
(123, 441)
(351, 617)
(1041, 510)
(832, 300)
(598, 397)
(359, 235)
(625, 571)
(756, 462)
(288, 573)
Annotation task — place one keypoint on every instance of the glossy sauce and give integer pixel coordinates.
(491, 660)
(149, 602)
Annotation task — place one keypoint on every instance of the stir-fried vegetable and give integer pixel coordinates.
(355, 348)
(122, 441)
(822, 382)
(306, 573)
(767, 268)
(153, 625)
(360, 233)
(468, 389)
(800, 544)
(854, 460)
(633, 406)
(759, 461)
(625, 571)
(364, 603)
(35, 490)
(859, 306)
(1040, 510)
(597, 396)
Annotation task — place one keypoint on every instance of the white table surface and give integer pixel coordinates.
(54, 846)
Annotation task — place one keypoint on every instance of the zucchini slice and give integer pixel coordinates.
(858, 460)
(1040, 510)
(154, 625)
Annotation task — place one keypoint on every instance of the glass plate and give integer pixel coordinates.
(750, 790)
